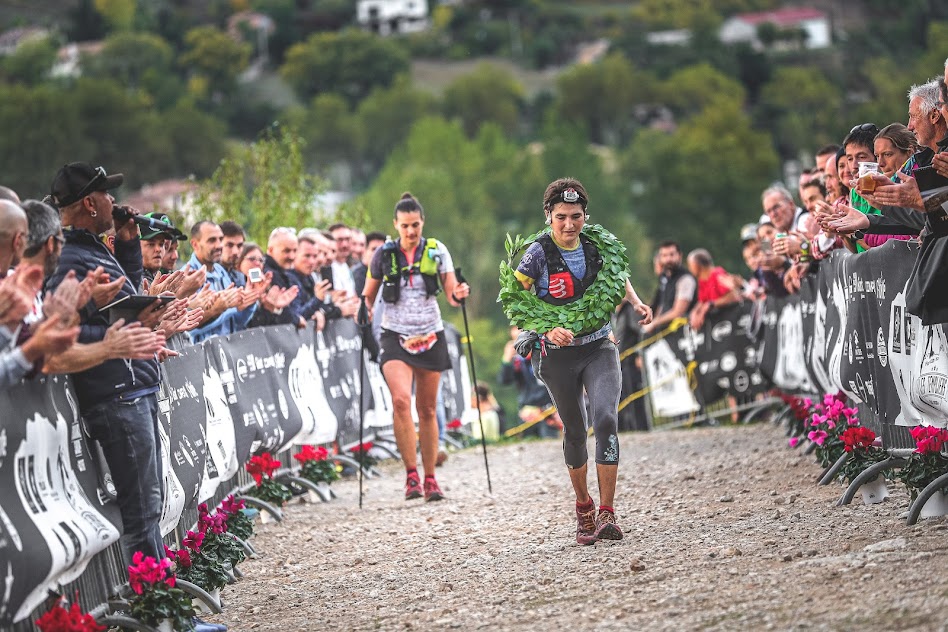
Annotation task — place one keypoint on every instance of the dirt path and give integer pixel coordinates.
(725, 529)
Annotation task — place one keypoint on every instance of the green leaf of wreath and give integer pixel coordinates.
(590, 312)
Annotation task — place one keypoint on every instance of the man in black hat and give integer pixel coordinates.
(117, 399)
(155, 243)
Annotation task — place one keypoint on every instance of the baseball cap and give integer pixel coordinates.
(78, 179)
(171, 232)
(748, 232)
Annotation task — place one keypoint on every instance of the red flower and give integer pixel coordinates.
(184, 558)
(310, 453)
(363, 447)
(146, 571)
(58, 619)
(262, 465)
(857, 437)
(454, 424)
(929, 440)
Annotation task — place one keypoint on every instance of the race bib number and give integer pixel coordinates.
(418, 344)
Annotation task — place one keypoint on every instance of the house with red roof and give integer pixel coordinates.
(790, 25)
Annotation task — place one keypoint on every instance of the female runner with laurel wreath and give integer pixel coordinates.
(411, 272)
(580, 272)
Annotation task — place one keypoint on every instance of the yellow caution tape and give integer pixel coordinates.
(673, 326)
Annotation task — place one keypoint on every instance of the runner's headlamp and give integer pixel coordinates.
(569, 196)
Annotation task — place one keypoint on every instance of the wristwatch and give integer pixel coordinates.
(859, 234)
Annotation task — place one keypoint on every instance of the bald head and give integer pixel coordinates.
(14, 229)
(6, 193)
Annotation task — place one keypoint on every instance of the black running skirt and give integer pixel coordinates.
(435, 358)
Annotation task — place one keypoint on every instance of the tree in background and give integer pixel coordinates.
(691, 89)
(118, 14)
(261, 186)
(802, 107)
(30, 63)
(701, 182)
(350, 62)
(136, 60)
(601, 97)
(331, 131)
(386, 117)
(488, 93)
(215, 59)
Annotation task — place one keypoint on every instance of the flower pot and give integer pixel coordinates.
(266, 517)
(875, 491)
(311, 497)
(204, 608)
(165, 625)
(935, 506)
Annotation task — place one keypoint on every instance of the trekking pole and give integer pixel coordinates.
(362, 320)
(477, 396)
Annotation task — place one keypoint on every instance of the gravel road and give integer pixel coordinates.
(725, 530)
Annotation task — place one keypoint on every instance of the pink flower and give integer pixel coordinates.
(794, 441)
(817, 436)
(194, 540)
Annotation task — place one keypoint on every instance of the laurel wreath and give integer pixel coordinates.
(593, 310)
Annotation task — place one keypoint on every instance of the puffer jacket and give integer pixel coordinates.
(84, 252)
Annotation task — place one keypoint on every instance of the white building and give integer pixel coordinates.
(743, 27)
(386, 17)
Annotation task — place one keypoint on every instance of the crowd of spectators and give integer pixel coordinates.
(97, 290)
(884, 181)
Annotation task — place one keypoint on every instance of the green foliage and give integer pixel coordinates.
(168, 603)
(331, 131)
(206, 571)
(803, 107)
(30, 63)
(224, 548)
(350, 62)
(920, 470)
(319, 471)
(587, 314)
(119, 14)
(692, 88)
(132, 59)
(216, 58)
(271, 491)
(240, 525)
(601, 96)
(489, 93)
(699, 183)
(677, 14)
(860, 460)
(386, 117)
(261, 186)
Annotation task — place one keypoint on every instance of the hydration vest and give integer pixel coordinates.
(396, 266)
(559, 271)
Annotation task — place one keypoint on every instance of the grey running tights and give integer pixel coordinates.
(566, 372)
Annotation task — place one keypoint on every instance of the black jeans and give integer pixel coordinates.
(128, 434)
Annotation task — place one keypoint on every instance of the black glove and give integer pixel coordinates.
(524, 343)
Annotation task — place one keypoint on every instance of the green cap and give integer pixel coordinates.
(170, 233)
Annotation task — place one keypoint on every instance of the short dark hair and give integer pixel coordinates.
(832, 148)
(233, 229)
(337, 226)
(815, 182)
(554, 192)
(862, 135)
(308, 239)
(669, 243)
(196, 229)
(374, 236)
(408, 204)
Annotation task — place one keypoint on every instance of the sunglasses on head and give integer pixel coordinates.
(865, 127)
(100, 175)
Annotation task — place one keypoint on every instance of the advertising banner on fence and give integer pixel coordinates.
(53, 517)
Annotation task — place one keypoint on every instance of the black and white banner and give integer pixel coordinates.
(219, 403)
